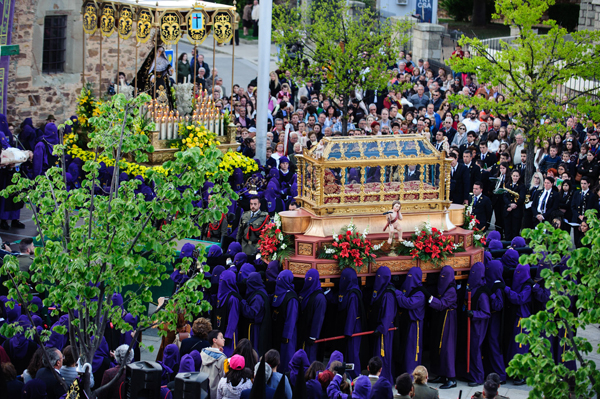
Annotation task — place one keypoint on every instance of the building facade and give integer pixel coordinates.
(589, 15)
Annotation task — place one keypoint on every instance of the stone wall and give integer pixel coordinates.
(34, 94)
(427, 41)
(589, 15)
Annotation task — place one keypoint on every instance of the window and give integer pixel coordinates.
(55, 43)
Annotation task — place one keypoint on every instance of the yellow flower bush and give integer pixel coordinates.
(87, 107)
(69, 139)
(194, 135)
(232, 160)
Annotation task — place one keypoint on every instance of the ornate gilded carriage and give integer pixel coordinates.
(363, 175)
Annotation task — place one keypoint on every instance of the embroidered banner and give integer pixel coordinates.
(6, 25)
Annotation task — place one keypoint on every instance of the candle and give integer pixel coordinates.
(157, 125)
(170, 128)
(163, 129)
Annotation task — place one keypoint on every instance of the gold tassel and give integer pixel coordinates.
(249, 328)
(382, 351)
(234, 345)
(443, 328)
(519, 325)
(417, 354)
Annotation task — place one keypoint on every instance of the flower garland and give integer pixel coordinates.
(232, 160)
(470, 223)
(273, 244)
(430, 245)
(351, 248)
(194, 135)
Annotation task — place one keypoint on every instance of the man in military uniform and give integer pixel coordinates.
(251, 223)
(217, 231)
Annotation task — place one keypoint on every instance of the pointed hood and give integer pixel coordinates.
(226, 286)
(285, 283)
(348, 282)
(382, 280)
(522, 274)
(216, 274)
(260, 381)
(245, 271)
(187, 364)
(214, 251)
(171, 356)
(272, 271)
(239, 259)
(299, 391)
(336, 356)
(362, 388)
(187, 250)
(487, 256)
(518, 242)
(414, 279)
(510, 258)
(298, 365)
(476, 276)
(494, 245)
(494, 235)
(311, 284)
(493, 272)
(446, 280)
(254, 283)
(197, 359)
(234, 248)
(51, 133)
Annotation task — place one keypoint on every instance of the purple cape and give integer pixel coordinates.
(226, 286)
(285, 283)
(382, 280)
(311, 284)
(102, 353)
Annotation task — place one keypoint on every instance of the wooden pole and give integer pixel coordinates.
(176, 62)
(232, 54)
(118, 61)
(213, 71)
(136, 65)
(194, 70)
(100, 61)
(83, 53)
(157, 27)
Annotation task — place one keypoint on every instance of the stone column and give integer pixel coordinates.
(427, 41)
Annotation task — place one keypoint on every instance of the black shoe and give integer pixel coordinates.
(17, 225)
(449, 384)
(438, 380)
(474, 384)
(519, 382)
(4, 225)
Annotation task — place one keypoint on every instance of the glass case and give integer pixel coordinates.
(364, 175)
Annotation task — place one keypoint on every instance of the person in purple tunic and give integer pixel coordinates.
(493, 358)
(443, 349)
(245, 271)
(284, 306)
(42, 154)
(19, 348)
(479, 315)
(312, 305)
(411, 298)
(228, 311)
(519, 296)
(8, 209)
(298, 365)
(381, 319)
(213, 291)
(254, 308)
(271, 276)
(350, 317)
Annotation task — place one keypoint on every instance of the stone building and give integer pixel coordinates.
(589, 15)
(46, 77)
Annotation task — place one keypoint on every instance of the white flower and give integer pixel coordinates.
(408, 244)
(283, 246)
(335, 236)
(329, 250)
(277, 220)
(455, 246)
(274, 255)
(377, 247)
(280, 237)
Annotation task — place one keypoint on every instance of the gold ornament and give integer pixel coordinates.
(108, 19)
(222, 26)
(90, 18)
(125, 22)
(170, 29)
(144, 25)
(197, 30)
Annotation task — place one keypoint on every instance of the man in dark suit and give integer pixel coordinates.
(54, 389)
(474, 170)
(482, 206)
(438, 141)
(545, 202)
(448, 130)
(583, 200)
(412, 174)
(460, 181)
(471, 137)
(504, 157)
(489, 159)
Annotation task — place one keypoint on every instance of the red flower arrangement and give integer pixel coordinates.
(273, 244)
(430, 245)
(351, 249)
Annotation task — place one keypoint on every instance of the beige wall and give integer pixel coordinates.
(34, 94)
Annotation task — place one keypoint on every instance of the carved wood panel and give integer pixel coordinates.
(305, 249)
(299, 268)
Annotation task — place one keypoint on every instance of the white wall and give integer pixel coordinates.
(390, 7)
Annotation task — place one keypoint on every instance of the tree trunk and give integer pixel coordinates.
(479, 14)
(530, 170)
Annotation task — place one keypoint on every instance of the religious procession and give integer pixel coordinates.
(372, 225)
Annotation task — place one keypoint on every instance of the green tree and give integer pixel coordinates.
(531, 68)
(93, 246)
(344, 53)
(574, 304)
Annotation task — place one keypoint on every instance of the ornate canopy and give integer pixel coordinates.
(364, 175)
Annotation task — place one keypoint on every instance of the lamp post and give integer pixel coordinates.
(264, 59)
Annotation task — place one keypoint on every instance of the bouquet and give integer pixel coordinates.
(194, 135)
(470, 221)
(479, 239)
(351, 248)
(273, 244)
(87, 107)
(232, 160)
(430, 245)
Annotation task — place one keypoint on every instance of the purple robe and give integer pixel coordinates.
(443, 354)
(40, 153)
(254, 310)
(298, 364)
(313, 312)
(409, 298)
(349, 305)
(214, 285)
(285, 284)
(519, 295)
(56, 340)
(227, 287)
(126, 337)
(479, 321)
(493, 358)
(383, 311)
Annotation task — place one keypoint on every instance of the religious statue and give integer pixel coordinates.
(393, 222)
(156, 68)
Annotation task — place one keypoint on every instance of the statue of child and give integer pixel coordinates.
(394, 218)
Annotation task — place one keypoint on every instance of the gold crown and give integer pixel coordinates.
(145, 16)
(171, 19)
(223, 18)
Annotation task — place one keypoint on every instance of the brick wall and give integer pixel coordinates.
(589, 15)
(34, 94)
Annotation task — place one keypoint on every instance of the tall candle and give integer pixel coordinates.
(163, 129)
(170, 128)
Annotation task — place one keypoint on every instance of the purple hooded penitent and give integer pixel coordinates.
(409, 298)
(383, 303)
(443, 360)
(494, 235)
(298, 364)
(510, 258)
(493, 357)
(494, 245)
(518, 242)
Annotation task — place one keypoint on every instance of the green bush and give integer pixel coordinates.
(566, 14)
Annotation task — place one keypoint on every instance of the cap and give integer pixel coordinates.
(374, 123)
(237, 362)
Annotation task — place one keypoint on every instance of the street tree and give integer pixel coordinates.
(573, 279)
(326, 44)
(530, 69)
(95, 245)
